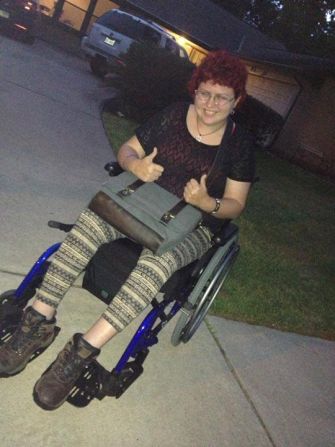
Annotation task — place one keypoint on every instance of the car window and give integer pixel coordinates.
(121, 24)
(151, 35)
(171, 46)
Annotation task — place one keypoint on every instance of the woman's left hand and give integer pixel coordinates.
(196, 193)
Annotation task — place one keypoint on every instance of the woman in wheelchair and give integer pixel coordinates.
(175, 148)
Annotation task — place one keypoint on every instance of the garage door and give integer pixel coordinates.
(274, 90)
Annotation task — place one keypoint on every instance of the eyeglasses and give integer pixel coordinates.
(219, 99)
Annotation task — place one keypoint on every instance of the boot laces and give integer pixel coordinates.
(21, 339)
(69, 366)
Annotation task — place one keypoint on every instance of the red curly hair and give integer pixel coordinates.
(220, 67)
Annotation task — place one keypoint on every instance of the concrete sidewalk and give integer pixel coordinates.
(287, 378)
(232, 385)
(186, 397)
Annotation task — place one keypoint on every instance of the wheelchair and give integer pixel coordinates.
(187, 296)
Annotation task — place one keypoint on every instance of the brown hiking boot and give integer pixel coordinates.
(33, 335)
(55, 384)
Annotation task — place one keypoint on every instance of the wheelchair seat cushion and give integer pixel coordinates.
(112, 264)
(110, 267)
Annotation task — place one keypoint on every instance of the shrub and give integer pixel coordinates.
(262, 121)
(150, 79)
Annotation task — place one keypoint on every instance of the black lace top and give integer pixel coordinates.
(183, 157)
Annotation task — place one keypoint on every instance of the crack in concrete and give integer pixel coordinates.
(239, 382)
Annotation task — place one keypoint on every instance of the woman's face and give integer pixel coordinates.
(214, 103)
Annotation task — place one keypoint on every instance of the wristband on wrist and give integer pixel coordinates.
(217, 206)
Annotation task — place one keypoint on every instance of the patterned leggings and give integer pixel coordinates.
(143, 283)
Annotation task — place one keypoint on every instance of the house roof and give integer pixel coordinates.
(205, 23)
(294, 61)
(212, 27)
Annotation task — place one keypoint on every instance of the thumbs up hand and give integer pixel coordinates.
(146, 169)
(196, 193)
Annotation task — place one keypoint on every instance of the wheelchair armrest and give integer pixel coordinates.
(225, 233)
(219, 239)
(60, 225)
(113, 168)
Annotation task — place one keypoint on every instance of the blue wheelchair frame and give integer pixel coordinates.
(96, 381)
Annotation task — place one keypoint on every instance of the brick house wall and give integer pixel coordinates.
(308, 136)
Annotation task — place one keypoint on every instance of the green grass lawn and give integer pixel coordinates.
(284, 277)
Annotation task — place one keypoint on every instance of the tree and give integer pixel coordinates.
(304, 26)
(263, 14)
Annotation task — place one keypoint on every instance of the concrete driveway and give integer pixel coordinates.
(53, 147)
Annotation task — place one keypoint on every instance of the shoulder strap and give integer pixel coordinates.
(171, 214)
(230, 129)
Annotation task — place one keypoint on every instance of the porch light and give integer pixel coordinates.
(181, 40)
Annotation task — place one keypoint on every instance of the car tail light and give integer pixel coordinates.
(30, 6)
(17, 25)
(27, 5)
(120, 62)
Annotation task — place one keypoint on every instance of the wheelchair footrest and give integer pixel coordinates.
(96, 382)
(88, 385)
(121, 381)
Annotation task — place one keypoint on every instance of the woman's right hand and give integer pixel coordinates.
(145, 168)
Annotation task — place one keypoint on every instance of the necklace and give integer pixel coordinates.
(200, 135)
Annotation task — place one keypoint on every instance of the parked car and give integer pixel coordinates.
(19, 17)
(112, 34)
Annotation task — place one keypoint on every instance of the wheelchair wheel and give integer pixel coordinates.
(204, 293)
